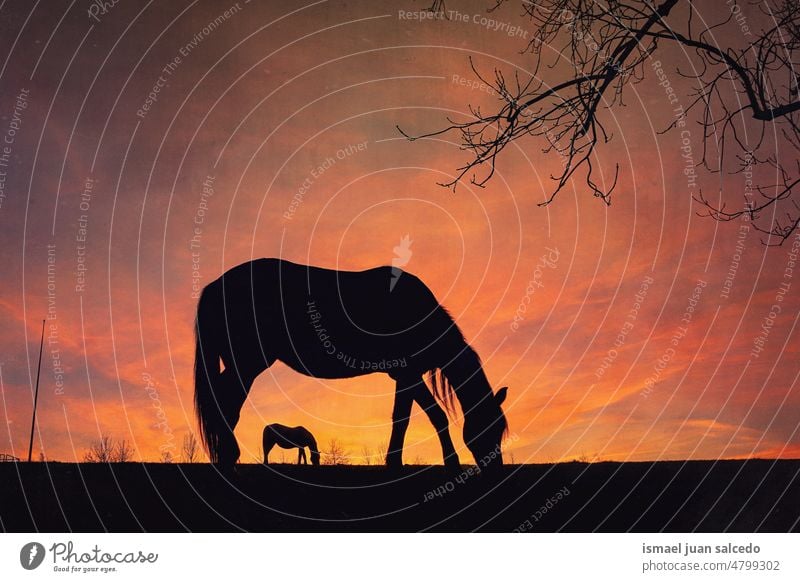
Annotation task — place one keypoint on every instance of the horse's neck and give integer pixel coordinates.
(303, 437)
(467, 378)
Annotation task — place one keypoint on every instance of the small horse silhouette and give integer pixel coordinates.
(290, 437)
(339, 324)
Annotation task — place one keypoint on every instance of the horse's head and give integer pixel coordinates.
(314, 457)
(484, 428)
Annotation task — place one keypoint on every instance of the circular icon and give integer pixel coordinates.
(31, 555)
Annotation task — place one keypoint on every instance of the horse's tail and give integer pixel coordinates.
(208, 349)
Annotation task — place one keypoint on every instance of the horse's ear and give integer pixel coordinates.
(500, 397)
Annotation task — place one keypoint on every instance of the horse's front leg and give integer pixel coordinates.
(301, 456)
(438, 419)
(401, 412)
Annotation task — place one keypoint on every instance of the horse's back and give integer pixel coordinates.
(286, 437)
(326, 322)
(280, 274)
(381, 300)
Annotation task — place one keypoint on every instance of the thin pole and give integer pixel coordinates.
(36, 396)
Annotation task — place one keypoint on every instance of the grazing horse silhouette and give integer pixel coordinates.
(290, 437)
(338, 324)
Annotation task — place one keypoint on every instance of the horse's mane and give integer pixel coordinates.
(455, 345)
(442, 389)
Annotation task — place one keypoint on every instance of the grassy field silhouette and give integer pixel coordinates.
(675, 496)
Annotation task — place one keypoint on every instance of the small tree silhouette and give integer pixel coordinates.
(336, 454)
(106, 450)
(123, 453)
(366, 452)
(383, 448)
(190, 448)
(100, 451)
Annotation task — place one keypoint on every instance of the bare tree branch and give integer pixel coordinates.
(101, 451)
(190, 449)
(336, 454)
(603, 45)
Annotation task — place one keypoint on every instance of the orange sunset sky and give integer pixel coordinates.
(104, 186)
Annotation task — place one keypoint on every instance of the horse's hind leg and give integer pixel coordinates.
(267, 449)
(231, 397)
(438, 418)
(235, 385)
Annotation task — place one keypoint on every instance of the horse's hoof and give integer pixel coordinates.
(394, 466)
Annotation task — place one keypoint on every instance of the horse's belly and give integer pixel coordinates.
(329, 359)
(336, 365)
